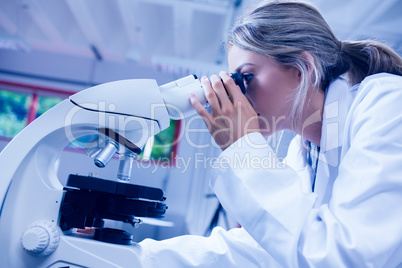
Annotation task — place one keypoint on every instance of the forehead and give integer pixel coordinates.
(238, 57)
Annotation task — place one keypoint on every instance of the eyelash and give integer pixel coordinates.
(247, 77)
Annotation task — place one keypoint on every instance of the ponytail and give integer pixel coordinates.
(369, 57)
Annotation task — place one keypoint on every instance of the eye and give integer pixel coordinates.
(247, 77)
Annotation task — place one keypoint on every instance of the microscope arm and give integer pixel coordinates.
(30, 191)
(126, 113)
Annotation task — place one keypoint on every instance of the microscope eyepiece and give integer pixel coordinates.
(239, 81)
(176, 94)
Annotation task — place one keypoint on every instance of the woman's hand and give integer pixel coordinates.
(231, 118)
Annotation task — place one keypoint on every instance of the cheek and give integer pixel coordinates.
(266, 100)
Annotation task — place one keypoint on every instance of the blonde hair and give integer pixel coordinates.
(283, 30)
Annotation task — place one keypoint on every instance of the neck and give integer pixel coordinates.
(311, 124)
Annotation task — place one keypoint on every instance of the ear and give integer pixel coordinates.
(309, 61)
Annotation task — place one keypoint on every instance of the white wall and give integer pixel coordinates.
(69, 72)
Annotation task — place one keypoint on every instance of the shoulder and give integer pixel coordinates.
(381, 79)
(378, 91)
(377, 103)
(379, 84)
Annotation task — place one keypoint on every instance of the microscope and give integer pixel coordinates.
(39, 217)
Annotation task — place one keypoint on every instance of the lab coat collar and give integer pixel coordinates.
(337, 102)
(336, 107)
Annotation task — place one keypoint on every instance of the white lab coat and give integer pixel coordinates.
(352, 219)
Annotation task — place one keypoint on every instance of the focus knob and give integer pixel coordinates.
(41, 238)
(35, 239)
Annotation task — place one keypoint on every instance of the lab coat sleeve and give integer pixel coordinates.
(264, 195)
(234, 248)
(360, 226)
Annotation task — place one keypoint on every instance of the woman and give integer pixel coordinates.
(339, 208)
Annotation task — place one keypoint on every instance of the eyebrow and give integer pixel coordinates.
(243, 65)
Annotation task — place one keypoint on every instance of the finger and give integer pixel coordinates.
(232, 89)
(210, 94)
(220, 90)
(199, 108)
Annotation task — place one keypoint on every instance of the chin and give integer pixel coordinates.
(265, 126)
